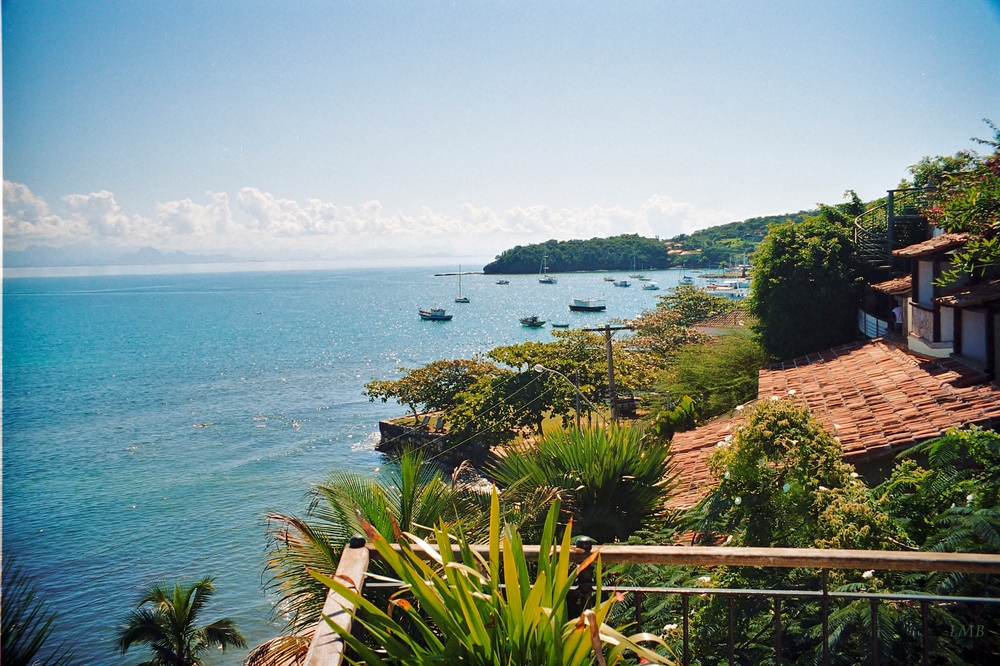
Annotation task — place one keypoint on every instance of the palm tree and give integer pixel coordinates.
(165, 618)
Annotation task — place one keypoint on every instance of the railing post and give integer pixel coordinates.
(637, 598)
(777, 631)
(732, 639)
(826, 618)
(684, 609)
(924, 637)
(327, 647)
(874, 606)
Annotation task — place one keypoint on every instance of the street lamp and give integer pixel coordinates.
(539, 368)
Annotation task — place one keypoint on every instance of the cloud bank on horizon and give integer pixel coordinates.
(259, 222)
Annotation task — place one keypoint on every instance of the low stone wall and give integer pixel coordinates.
(436, 445)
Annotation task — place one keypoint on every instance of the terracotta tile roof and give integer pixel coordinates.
(875, 398)
(895, 286)
(987, 292)
(941, 243)
(738, 318)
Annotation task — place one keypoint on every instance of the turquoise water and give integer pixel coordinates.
(107, 482)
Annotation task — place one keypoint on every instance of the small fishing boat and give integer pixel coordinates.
(587, 305)
(623, 283)
(610, 278)
(652, 286)
(435, 314)
(503, 281)
(532, 321)
(687, 279)
(555, 325)
(543, 276)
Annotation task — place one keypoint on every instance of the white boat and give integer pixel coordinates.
(544, 277)
(587, 305)
(461, 298)
(633, 274)
(623, 283)
(503, 281)
(687, 279)
(610, 278)
(435, 314)
(651, 286)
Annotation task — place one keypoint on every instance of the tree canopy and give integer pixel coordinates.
(805, 288)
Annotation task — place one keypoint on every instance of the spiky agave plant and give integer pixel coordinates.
(479, 611)
(409, 491)
(611, 481)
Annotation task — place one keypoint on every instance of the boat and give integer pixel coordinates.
(587, 305)
(544, 277)
(633, 274)
(610, 278)
(435, 314)
(643, 278)
(555, 325)
(687, 279)
(623, 283)
(532, 321)
(503, 281)
(461, 298)
(651, 286)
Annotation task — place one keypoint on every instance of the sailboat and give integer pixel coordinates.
(461, 298)
(633, 274)
(544, 277)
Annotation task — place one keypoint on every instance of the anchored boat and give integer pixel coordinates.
(587, 305)
(532, 321)
(435, 314)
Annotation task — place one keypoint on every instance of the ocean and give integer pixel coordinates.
(150, 421)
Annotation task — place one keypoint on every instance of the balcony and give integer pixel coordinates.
(969, 632)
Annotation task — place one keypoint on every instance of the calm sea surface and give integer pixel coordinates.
(150, 421)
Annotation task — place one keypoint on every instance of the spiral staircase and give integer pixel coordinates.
(891, 223)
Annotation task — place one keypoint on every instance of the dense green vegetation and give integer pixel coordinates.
(597, 254)
(966, 198)
(806, 286)
(729, 243)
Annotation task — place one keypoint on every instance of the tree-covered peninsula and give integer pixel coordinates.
(703, 249)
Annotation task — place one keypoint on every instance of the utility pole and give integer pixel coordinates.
(607, 329)
(576, 396)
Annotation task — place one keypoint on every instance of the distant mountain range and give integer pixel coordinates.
(87, 255)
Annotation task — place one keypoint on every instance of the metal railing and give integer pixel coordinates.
(871, 326)
(890, 224)
(327, 649)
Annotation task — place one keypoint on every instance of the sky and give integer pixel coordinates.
(385, 131)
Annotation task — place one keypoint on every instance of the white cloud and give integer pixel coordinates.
(187, 217)
(263, 223)
(27, 219)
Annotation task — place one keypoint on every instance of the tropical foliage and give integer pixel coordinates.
(165, 619)
(966, 198)
(433, 386)
(407, 492)
(718, 375)
(805, 288)
(612, 481)
(27, 622)
(720, 244)
(596, 254)
(691, 304)
(463, 610)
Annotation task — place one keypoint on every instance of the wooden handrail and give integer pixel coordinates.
(787, 558)
(327, 648)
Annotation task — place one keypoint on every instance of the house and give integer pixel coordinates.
(877, 398)
(876, 317)
(976, 325)
(930, 325)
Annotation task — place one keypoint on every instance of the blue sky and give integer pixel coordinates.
(280, 129)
